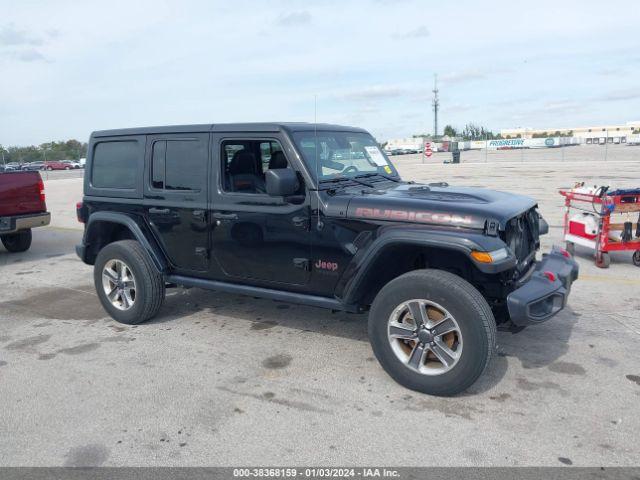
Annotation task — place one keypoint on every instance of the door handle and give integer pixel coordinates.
(300, 222)
(159, 211)
(199, 214)
(225, 216)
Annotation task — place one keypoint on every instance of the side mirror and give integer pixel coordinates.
(543, 226)
(281, 182)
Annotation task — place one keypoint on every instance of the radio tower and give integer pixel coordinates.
(436, 105)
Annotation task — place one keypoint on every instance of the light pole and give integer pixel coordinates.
(44, 154)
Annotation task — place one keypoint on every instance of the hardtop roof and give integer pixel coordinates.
(227, 127)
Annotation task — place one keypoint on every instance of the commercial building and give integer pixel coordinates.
(586, 135)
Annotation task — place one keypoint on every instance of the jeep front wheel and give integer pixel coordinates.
(129, 287)
(432, 332)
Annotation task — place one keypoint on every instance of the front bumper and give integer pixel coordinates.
(17, 223)
(539, 298)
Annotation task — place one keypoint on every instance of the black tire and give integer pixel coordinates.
(570, 247)
(470, 310)
(150, 286)
(17, 242)
(636, 258)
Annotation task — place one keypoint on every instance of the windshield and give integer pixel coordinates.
(342, 154)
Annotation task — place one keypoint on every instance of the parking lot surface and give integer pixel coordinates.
(220, 379)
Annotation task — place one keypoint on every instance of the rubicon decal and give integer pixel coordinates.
(327, 266)
(420, 216)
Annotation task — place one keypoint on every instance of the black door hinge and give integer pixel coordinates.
(200, 215)
(301, 222)
(491, 228)
(302, 263)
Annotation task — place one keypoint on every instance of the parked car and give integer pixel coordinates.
(32, 166)
(12, 166)
(7, 168)
(393, 151)
(436, 267)
(22, 207)
(57, 165)
(72, 164)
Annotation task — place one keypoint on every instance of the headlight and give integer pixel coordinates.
(490, 257)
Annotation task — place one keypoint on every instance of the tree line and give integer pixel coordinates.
(69, 150)
(471, 131)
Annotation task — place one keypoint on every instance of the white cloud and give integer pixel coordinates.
(29, 55)
(12, 36)
(376, 92)
(419, 32)
(620, 95)
(462, 76)
(294, 19)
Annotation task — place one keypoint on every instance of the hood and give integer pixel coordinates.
(440, 205)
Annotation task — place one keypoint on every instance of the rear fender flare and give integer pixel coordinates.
(137, 229)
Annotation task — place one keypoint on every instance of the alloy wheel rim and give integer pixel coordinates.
(425, 337)
(119, 284)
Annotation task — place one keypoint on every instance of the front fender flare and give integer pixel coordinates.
(463, 241)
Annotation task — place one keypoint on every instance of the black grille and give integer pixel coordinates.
(522, 235)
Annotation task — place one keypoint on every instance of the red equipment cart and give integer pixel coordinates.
(594, 228)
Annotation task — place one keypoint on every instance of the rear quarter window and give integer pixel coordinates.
(115, 164)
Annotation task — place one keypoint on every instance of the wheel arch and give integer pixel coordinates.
(399, 252)
(104, 228)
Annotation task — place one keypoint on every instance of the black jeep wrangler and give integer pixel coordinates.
(318, 215)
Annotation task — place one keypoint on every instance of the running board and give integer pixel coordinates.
(291, 297)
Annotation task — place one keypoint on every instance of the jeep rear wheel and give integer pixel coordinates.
(129, 287)
(17, 242)
(432, 332)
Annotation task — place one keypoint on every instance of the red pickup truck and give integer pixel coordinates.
(22, 207)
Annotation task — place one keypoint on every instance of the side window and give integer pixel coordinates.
(115, 165)
(179, 165)
(244, 163)
(158, 164)
(271, 155)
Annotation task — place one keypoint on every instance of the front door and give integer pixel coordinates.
(175, 198)
(257, 237)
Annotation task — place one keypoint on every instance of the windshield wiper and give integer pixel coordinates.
(377, 174)
(346, 179)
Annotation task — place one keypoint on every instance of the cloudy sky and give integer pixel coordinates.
(67, 67)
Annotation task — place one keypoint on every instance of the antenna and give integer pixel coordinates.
(319, 224)
(436, 105)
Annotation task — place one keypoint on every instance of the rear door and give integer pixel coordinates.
(175, 197)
